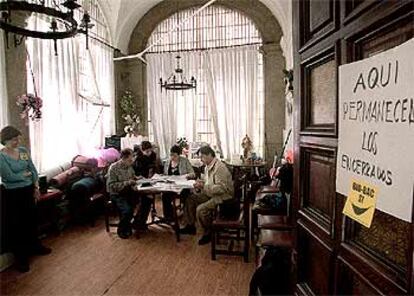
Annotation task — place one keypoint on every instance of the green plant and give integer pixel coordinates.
(127, 104)
(129, 113)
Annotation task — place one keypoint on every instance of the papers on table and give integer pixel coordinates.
(165, 183)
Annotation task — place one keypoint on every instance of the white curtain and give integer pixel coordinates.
(4, 120)
(98, 88)
(55, 138)
(173, 113)
(227, 78)
(68, 127)
(233, 92)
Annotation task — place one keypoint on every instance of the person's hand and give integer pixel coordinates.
(138, 177)
(150, 173)
(189, 176)
(199, 184)
(27, 174)
(132, 182)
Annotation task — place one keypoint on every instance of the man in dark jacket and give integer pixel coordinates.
(145, 165)
(146, 160)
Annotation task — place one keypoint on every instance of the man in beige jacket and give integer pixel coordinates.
(215, 187)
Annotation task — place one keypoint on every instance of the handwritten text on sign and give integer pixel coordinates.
(360, 204)
(376, 127)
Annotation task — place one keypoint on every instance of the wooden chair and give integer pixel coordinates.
(233, 229)
(263, 217)
(271, 238)
(109, 209)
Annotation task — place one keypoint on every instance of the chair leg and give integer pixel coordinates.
(253, 226)
(153, 210)
(246, 246)
(176, 223)
(106, 218)
(213, 244)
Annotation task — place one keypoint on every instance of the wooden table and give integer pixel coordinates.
(155, 218)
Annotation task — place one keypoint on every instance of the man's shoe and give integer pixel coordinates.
(124, 234)
(205, 239)
(42, 250)
(189, 229)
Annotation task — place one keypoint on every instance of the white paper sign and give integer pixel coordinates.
(376, 127)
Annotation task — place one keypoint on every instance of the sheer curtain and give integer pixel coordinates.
(173, 113)
(97, 89)
(232, 78)
(55, 138)
(4, 120)
(70, 84)
(229, 80)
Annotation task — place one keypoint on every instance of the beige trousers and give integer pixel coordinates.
(200, 207)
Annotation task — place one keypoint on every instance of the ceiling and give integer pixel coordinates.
(123, 15)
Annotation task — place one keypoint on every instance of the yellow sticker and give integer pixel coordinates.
(361, 201)
(24, 156)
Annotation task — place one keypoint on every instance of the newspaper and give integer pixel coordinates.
(162, 183)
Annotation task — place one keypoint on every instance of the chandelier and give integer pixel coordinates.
(62, 23)
(177, 80)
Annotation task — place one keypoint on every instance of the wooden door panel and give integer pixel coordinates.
(335, 254)
(319, 76)
(364, 267)
(318, 20)
(318, 202)
(317, 256)
(387, 241)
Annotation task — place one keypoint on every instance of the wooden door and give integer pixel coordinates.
(334, 255)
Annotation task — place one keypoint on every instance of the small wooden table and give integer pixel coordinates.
(155, 190)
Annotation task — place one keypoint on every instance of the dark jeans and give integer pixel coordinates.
(126, 203)
(143, 211)
(21, 228)
(167, 200)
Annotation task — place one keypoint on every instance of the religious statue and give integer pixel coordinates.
(247, 146)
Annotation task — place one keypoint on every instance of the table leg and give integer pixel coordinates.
(175, 216)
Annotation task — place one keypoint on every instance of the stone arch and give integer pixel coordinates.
(263, 18)
(131, 74)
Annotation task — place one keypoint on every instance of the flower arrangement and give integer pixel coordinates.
(182, 142)
(30, 106)
(129, 113)
(132, 123)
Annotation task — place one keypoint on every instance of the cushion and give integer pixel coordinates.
(50, 195)
(65, 177)
(275, 238)
(273, 222)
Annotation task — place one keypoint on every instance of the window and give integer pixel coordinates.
(73, 85)
(215, 28)
(94, 67)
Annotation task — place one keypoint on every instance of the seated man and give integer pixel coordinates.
(146, 162)
(145, 165)
(176, 165)
(216, 187)
(120, 178)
